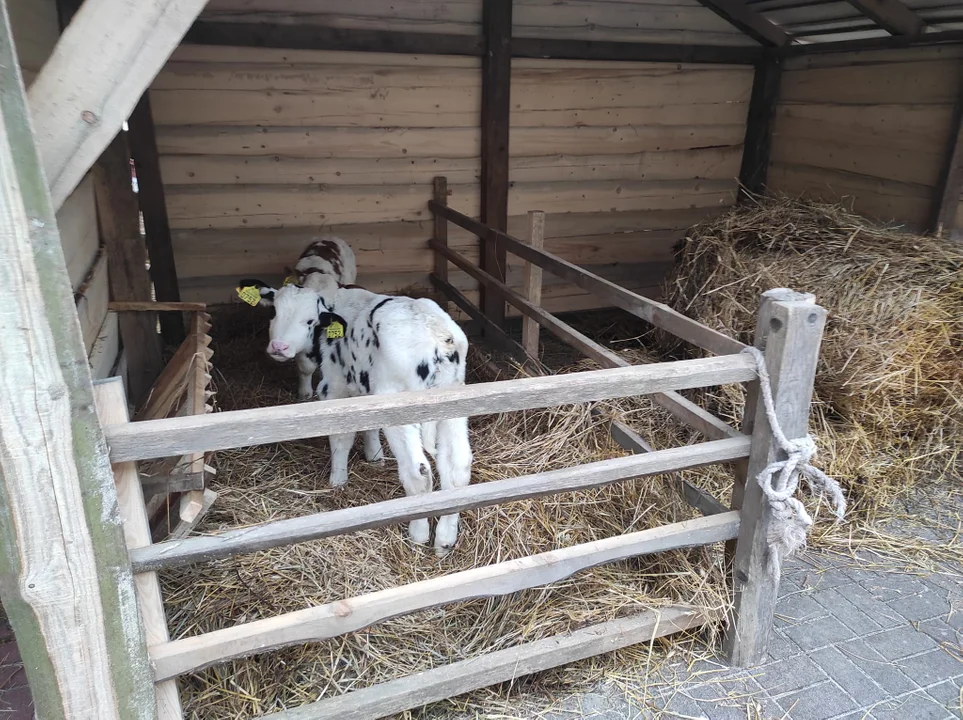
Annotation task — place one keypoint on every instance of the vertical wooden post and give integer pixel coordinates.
(119, 222)
(153, 206)
(790, 331)
(495, 121)
(112, 410)
(440, 232)
(948, 191)
(65, 578)
(533, 281)
(759, 123)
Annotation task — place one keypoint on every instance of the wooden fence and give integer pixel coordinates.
(790, 329)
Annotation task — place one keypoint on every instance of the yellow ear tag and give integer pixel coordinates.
(290, 280)
(335, 330)
(251, 295)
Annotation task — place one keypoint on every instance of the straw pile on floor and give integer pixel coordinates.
(889, 390)
(286, 480)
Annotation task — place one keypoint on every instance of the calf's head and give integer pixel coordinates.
(300, 315)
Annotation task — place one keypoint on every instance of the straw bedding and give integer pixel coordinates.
(277, 481)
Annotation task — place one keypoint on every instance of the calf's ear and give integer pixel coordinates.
(255, 292)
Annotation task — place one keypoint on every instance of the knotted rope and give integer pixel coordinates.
(779, 480)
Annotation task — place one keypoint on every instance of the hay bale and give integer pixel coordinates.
(889, 389)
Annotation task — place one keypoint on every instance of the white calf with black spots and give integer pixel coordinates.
(368, 344)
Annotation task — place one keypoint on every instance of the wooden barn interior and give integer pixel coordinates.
(251, 126)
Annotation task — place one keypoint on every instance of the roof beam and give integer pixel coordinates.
(889, 42)
(755, 25)
(891, 15)
(103, 62)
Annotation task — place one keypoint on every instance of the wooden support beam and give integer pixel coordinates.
(891, 15)
(656, 313)
(532, 281)
(313, 37)
(495, 124)
(440, 231)
(112, 410)
(752, 23)
(791, 338)
(121, 307)
(687, 411)
(892, 42)
(759, 123)
(280, 533)
(506, 665)
(118, 217)
(330, 620)
(948, 192)
(104, 61)
(153, 206)
(65, 582)
(256, 426)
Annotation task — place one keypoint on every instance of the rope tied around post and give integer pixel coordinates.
(779, 481)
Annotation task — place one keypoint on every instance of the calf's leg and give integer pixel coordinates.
(373, 451)
(306, 370)
(340, 449)
(413, 471)
(454, 471)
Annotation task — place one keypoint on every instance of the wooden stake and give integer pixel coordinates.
(946, 194)
(762, 110)
(792, 334)
(533, 281)
(65, 579)
(440, 231)
(112, 410)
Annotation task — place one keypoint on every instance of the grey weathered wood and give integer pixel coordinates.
(241, 428)
(688, 412)
(876, 43)
(792, 339)
(949, 188)
(65, 581)
(112, 409)
(343, 616)
(509, 664)
(173, 482)
(757, 145)
(891, 15)
(656, 313)
(440, 227)
(156, 307)
(493, 334)
(754, 24)
(532, 281)
(103, 62)
(695, 496)
(280, 533)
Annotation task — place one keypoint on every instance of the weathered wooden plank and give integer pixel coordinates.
(153, 207)
(156, 307)
(440, 227)
(762, 110)
(533, 280)
(280, 533)
(91, 300)
(119, 219)
(949, 186)
(448, 681)
(658, 51)
(914, 83)
(658, 314)
(86, 89)
(239, 428)
(111, 406)
(343, 616)
(106, 348)
(894, 42)
(792, 339)
(66, 583)
(79, 237)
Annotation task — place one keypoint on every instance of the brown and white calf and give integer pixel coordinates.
(382, 344)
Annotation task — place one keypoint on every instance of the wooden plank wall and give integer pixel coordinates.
(263, 148)
(36, 31)
(869, 126)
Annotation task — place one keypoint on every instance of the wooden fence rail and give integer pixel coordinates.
(241, 428)
(441, 502)
(343, 616)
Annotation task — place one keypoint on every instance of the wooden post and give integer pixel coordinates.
(762, 111)
(533, 281)
(790, 330)
(153, 206)
(65, 578)
(112, 410)
(119, 221)
(495, 120)
(948, 191)
(440, 231)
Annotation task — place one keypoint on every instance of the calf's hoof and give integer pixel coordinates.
(419, 531)
(376, 457)
(338, 479)
(446, 535)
